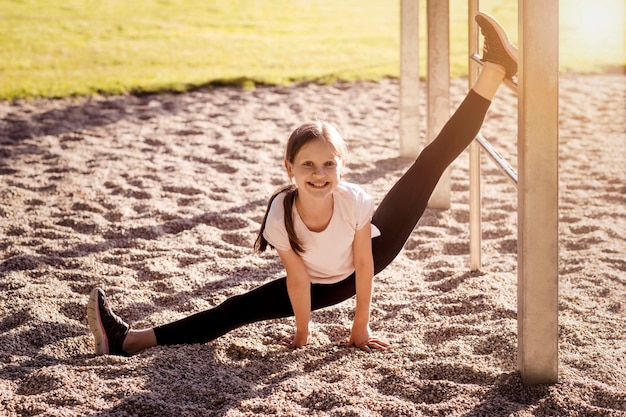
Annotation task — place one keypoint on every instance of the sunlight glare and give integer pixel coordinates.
(596, 27)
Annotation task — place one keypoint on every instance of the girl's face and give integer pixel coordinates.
(316, 169)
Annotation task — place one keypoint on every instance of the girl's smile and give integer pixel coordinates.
(320, 185)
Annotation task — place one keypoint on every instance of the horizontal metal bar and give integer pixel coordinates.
(498, 159)
(507, 81)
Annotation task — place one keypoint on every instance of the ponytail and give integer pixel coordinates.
(291, 192)
(290, 200)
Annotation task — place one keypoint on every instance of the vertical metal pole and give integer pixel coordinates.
(474, 150)
(409, 78)
(438, 87)
(538, 24)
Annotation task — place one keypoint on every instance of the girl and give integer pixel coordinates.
(325, 230)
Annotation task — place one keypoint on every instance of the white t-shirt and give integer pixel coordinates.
(327, 254)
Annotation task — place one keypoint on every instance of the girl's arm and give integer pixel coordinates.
(299, 289)
(364, 267)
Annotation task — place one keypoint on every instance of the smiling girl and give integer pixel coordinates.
(325, 230)
(320, 227)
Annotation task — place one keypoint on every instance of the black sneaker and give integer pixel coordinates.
(108, 329)
(497, 48)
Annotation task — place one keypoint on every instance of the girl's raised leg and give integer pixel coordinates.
(402, 207)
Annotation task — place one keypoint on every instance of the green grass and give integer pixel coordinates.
(63, 48)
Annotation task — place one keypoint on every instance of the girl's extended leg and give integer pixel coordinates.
(404, 204)
(396, 217)
(269, 301)
(398, 213)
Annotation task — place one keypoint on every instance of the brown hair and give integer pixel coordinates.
(317, 130)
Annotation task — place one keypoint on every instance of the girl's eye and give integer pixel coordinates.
(307, 164)
(331, 164)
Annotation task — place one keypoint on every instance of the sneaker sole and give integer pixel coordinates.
(101, 345)
(504, 38)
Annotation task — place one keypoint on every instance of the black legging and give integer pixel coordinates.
(395, 217)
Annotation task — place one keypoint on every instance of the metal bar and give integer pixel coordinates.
(409, 79)
(475, 233)
(538, 220)
(498, 159)
(438, 87)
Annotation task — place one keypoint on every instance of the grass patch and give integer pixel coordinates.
(78, 47)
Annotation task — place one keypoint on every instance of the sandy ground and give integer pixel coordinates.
(158, 199)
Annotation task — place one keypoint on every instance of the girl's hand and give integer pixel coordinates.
(364, 341)
(296, 341)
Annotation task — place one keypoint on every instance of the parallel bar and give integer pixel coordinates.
(498, 159)
(475, 233)
(438, 87)
(538, 109)
(409, 79)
